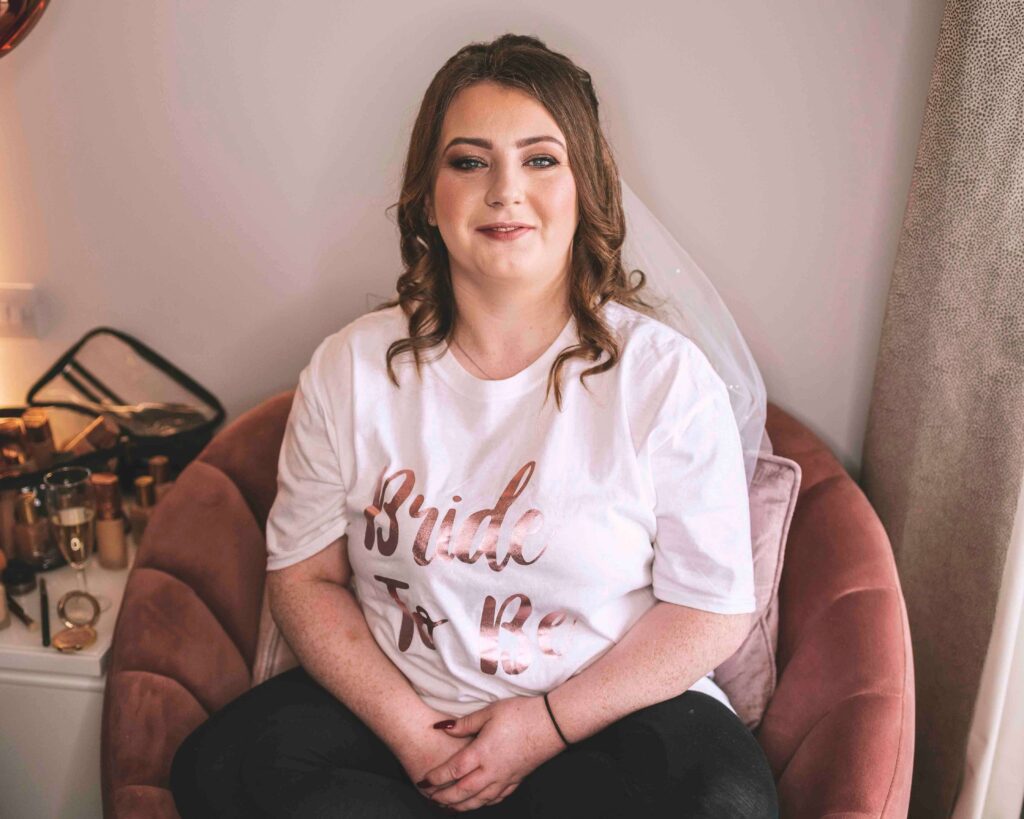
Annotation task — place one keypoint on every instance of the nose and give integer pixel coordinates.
(506, 185)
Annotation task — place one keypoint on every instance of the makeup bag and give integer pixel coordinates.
(163, 410)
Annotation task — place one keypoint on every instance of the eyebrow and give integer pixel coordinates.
(486, 143)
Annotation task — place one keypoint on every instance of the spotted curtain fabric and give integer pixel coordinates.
(944, 450)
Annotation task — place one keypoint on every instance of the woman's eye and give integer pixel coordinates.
(462, 164)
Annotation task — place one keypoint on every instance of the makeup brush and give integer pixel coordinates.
(19, 612)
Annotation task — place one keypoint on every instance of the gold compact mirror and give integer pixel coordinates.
(78, 608)
(79, 611)
(74, 639)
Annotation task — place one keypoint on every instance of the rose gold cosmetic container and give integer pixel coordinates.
(160, 469)
(14, 455)
(110, 538)
(142, 508)
(33, 539)
(39, 436)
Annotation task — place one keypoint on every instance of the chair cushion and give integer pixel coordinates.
(749, 676)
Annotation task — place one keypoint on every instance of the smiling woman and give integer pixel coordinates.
(515, 604)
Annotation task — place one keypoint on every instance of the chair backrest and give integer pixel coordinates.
(247, 452)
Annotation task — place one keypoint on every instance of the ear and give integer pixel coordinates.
(428, 205)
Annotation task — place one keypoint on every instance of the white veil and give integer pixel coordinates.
(688, 302)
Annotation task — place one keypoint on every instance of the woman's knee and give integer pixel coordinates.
(185, 778)
(744, 791)
(694, 753)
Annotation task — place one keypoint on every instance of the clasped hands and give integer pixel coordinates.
(501, 744)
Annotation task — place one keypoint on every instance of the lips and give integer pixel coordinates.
(505, 235)
(490, 225)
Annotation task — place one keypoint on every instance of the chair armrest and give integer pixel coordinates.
(185, 637)
(839, 730)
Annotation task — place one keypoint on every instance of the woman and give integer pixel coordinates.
(501, 603)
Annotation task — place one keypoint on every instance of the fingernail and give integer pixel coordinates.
(423, 783)
(445, 723)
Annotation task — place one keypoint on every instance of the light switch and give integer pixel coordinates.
(19, 311)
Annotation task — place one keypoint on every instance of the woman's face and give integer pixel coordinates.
(498, 180)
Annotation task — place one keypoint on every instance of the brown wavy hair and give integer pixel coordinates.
(596, 275)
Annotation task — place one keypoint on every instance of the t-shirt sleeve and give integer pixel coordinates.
(308, 512)
(702, 548)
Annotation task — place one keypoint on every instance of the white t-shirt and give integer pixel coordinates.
(498, 546)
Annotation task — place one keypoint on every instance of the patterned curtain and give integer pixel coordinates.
(944, 451)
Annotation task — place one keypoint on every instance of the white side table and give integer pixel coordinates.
(51, 704)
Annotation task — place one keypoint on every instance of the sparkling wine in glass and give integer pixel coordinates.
(75, 530)
(71, 507)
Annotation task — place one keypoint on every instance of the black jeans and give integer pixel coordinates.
(289, 748)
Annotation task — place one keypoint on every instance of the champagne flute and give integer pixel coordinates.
(71, 506)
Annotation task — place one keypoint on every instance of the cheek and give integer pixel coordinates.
(560, 204)
(449, 195)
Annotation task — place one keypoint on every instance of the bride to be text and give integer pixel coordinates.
(392, 494)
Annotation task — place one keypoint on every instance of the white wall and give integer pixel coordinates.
(212, 177)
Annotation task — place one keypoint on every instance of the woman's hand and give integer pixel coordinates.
(427, 748)
(513, 737)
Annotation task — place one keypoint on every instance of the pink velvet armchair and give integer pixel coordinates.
(838, 732)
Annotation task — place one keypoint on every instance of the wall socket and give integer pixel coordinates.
(19, 311)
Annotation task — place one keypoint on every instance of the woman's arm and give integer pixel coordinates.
(325, 627)
(665, 652)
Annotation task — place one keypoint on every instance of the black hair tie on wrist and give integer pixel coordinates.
(555, 722)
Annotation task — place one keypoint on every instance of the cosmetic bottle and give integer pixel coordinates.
(160, 469)
(14, 455)
(39, 436)
(33, 539)
(110, 540)
(8, 498)
(5, 615)
(142, 508)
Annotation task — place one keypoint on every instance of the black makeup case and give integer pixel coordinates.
(148, 406)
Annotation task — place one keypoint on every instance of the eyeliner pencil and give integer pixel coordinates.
(44, 609)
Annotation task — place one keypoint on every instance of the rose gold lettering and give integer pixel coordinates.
(419, 619)
(548, 624)
(468, 530)
(518, 660)
(387, 545)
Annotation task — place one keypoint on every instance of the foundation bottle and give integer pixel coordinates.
(160, 469)
(145, 502)
(5, 615)
(33, 540)
(8, 500)
(14, 455)
(110, 538)
(39, 436)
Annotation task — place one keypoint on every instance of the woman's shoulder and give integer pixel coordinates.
(647, 343)
(361, 339)
(365, 332)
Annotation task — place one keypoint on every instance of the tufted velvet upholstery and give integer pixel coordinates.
(838, 732)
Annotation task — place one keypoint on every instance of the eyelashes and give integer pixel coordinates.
(459, 164)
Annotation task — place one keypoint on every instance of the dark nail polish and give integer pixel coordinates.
(445, 723)
(423, 783)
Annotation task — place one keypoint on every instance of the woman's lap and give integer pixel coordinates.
(289, 748)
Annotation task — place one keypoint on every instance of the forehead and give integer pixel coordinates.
(498, 113)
